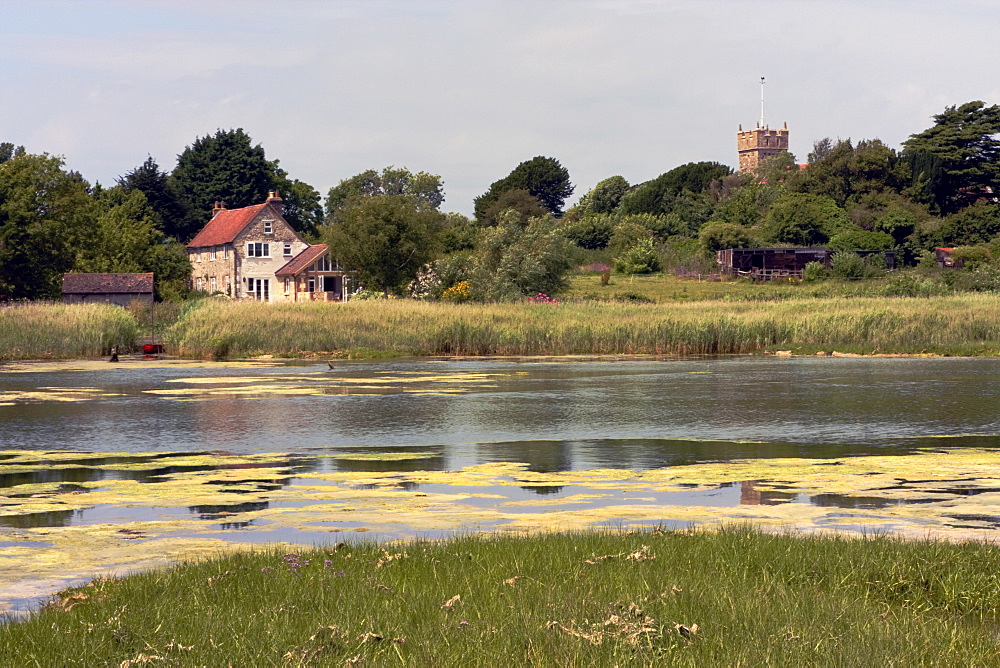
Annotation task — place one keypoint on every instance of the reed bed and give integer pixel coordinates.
(963, 324)
(50, 331)
(733, 598)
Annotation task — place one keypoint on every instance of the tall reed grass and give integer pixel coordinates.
(964, 324)
(48, 331)
(733, 598)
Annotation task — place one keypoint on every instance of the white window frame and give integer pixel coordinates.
(254, 246)
(287, 250)
(287, 285)
(211, 283)
(268, 227)
(225, 252)
(211, 254)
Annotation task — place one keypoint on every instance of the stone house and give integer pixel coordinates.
(253, 253)
(121, 289)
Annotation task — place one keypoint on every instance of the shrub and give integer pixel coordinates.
(458, 293)
(641, 258)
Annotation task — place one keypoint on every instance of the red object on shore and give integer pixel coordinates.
(152, 349)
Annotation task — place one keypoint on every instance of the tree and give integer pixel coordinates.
(385, 239)
(719, 236)
(8, 151)
(658, 196)
(515, 259)
(301, 203)
(225, 167)
(521, 201)
(957, 160)
(805, 220)
(542, 177)
(159, 191)
(425, 189)
(126, 237)
(605, 196)
(45, 214)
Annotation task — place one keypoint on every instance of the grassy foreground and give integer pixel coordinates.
(737, 597)
(54, 331)
(966, 324)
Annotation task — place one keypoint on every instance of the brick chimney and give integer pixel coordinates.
(274, 199)
(218, 208)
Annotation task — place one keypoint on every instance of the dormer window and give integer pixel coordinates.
(268, 227)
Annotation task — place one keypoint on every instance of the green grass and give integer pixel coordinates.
(48, 331)
(962, 324)
(611, 598)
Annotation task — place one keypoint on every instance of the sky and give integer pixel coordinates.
(467, 89)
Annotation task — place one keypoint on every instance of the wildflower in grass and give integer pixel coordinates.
(327, 563)
(542, 298)
(266, 569)
(463, 624)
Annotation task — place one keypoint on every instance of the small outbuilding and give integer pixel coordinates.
(120, 289)
(767, 263)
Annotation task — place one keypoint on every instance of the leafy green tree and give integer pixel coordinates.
(805, 220)
(126, 237)
(854, 240)
(592, 231)
(542, 177)
(425, 189)
(385, 239)
(842, 171)
(957, 160)
(976, 224)
(748, 206)
(225, 167)
(516, 259)
(8, 151)
(45, 215)
(520, 200)
(605, 196)
(659, 195)
(718, 235)
(159, 191)
(301, 203)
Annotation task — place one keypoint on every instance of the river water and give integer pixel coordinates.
(367, 439)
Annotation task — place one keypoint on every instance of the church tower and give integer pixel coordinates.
(759, 144)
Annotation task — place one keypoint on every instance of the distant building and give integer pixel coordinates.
(120, 289)
(767, 263)
(253, 253)
(757, 145)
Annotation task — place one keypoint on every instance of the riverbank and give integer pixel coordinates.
(958, 325)
(955, 325)
(733, 597)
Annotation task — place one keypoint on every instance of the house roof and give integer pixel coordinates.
(302, 261)
(77, 284)
(224, 227)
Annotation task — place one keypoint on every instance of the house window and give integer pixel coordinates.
(312, 284)
(268, 227)
(323, 264)
(211, 282)
(225, 252)
(287, 284)
(211, 254)
(198, 284)
(288, 250)
(258, 249)
(198, 256)
(228, 285)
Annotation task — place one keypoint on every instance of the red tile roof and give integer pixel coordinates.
(89, 284)
(225, 226)
(301, 261)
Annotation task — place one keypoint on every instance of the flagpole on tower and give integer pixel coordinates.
(762, 102)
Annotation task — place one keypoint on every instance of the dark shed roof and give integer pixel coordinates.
(78, 284)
